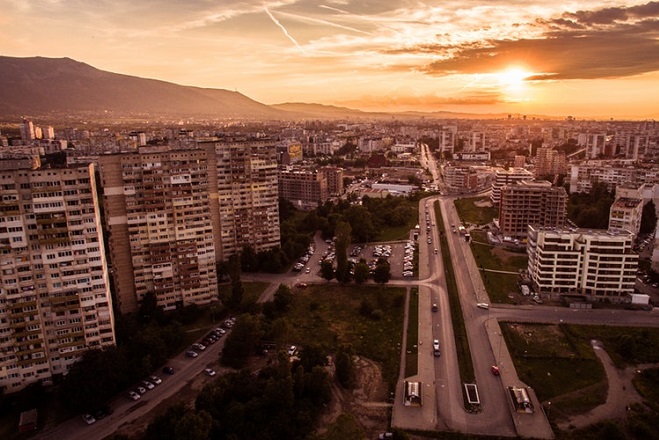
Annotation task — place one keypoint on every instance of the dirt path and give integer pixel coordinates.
(620, 394)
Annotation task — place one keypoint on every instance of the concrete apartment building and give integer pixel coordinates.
(597, 264)
(506, 177)
(613, 174)
(172, 214)
(158, 217)
(334, 177)
(549, 161)
(306, 189)
(625, 215)
(244, 195)
(55, 301)
(535, 203)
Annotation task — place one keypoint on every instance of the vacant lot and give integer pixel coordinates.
(476, 210)
(560, 366)
(370, 318)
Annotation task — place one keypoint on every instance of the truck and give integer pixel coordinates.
(640, 299)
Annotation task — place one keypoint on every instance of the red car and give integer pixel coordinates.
(495, 370)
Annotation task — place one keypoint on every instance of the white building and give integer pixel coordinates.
(625, 215)
(598, 264)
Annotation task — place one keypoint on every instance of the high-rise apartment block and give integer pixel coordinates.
(160, 231)
(244, 196)
(597, 264)
(172, 214)
(27, 131)
(55, 300)
(549, 161)
(506, 177)
(535, 203)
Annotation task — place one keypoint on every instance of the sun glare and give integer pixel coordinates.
(513, 79)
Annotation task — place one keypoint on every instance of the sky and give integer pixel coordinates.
(533, 57)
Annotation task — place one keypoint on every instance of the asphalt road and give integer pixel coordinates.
(126, 411)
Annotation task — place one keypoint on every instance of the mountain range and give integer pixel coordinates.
(39, 86)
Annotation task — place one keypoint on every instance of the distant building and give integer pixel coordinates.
(55, 300)
(597, 264)
(549, 162)
(289, 153)
(535, 203)
(27, 131)
(304, 188)
(583, 176)
(334, 177)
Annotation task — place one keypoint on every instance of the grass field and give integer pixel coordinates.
(475, 215)
(560, 366)
(391, 233)
(498, 285)
(330, 315)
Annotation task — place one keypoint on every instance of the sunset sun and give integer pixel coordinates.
(512, 79)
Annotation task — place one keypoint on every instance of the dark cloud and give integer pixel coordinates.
(606, 43)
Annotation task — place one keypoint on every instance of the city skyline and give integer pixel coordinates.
(586, 59)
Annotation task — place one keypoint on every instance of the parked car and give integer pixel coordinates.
(292, 350)
(148, 385)
(140, 389)
(191, 354)
(483, 306)
(209, 372)
(88, 418)
(168, 370)
(198, 346)
(155, 380)
(132, 395)
(301, 285)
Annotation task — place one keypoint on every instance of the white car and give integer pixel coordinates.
(435, 348)
(132, 395)
(483, 306)
(209, 372)
(88, 418)
(155, 380)
(292, 350)
(148, 385)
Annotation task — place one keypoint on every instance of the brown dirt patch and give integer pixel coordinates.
(367, 402)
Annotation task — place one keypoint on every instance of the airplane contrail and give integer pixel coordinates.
(272, 17)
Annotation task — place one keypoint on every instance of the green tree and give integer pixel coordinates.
(345, 369)
(342, 241)
(326, 270)
(283, 298)
(242, 341)
(382, 272)
(361, 272)
(361, 222)
(648, 218)
(193, 426)
(249, 261)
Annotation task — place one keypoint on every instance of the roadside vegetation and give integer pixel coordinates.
(412, 353)
(461, 342)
